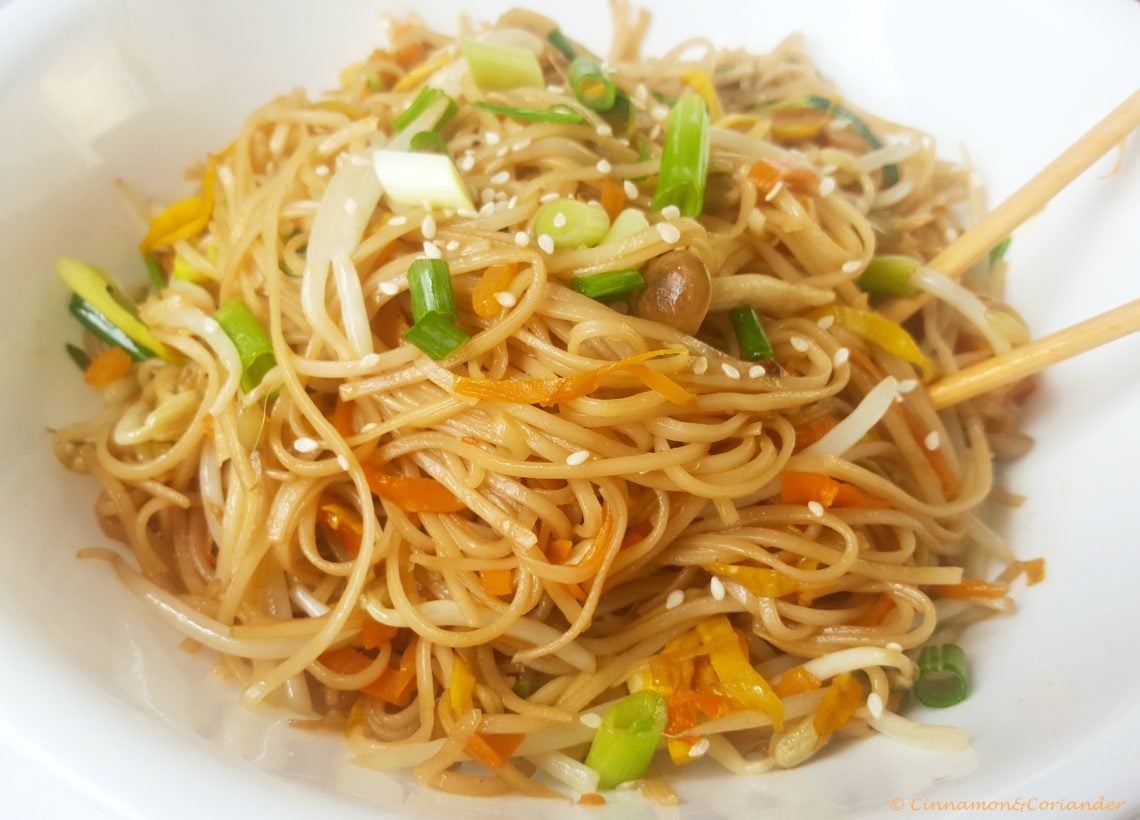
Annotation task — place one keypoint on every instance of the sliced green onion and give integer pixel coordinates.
(621, 116)
(685, 158)
(572, 224)
(79, 356)
(889, 275)
(95, 287)
(754, 344)
(106, 330)
(943, 676)
(890, 172)
(429, 285)
(501, 67)
(436, 335)
(603, 286)
(998, 253)
(522, 688)
(559, 114)
(410, 179)
(590, 84)
(250, 339)
(429, 142)
(557, 39)
(625, 742)
(423, 101)
(154, 271)
(375, 81)
(627, 223)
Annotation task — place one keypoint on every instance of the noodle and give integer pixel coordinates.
(555, 505)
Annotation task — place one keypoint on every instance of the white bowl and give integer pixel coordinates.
(102, 715)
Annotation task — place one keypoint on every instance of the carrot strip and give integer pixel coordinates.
(803, 488)
(345, 523)
(559, 550)
(842, 698)
(107, 368)
(374, 634)
(852, 495)
(495, 279)
(795, 681)
(343, 418)
(492, 751)
(662, 385)
(811, 432)
(412, 494)
(767, 173)
(878, 611)
(1034, 570)
(497, 582)
(971, 588)
(613, 197)
(396, 685)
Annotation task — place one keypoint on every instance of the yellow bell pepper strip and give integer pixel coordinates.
(93, 286)
(461, 685)
(107, 368)
(701, 83)
(840, 700)
(184, 219)
(412, 494)
(741, 681)
(761, 582)
(344, 523)
(796, 681)
(879, 330)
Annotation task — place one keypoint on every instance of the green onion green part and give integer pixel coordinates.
(558, 114)
(590, 84)
(943, 676)
(572, 224)
(684, 158)
(557, 39)
(998, 253)
(621, 117)
(429, 285)
(429, 142)
(375, 81)
(250, 339)
(96, 287)
(754, 344)
(79, 356)
(501, 67)
(890, 172)
(106, 330)
(603, 286)
(625, 742)
(154, 271)
(626, 224)
(889, 275)
(423, 101)
(522, 688)
(436, 335)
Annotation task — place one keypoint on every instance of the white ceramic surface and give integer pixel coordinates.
(102, 716)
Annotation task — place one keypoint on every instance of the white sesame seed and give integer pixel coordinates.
(775, 192)
(342, 461)
(487, 208)
(894, 647)
(729, 370)
(907, 385)
(512, 202)
(875, 705)
(674, 599)
(932, 440)
(321, 170)
(670, 212)
(487, 195)
(466, 163)
(397, 221)
(799, 344)
(550, 197)
(350, 205)
(492, 138)
(502, 152)
(951, 234)
(556, 89)
(756, 371)
(522, 239)
(371, 360)
(506, 299)
(604, 130)
(825, 322)
(389, 288)
(604, 166)
(521, 145)
(453, 245)
(546, 243)
(427, 227)
(827, 186)
(559, 220)
(700, 748)
(501, 177)
(837, 124)
(700, 365)
(852, 266)
(432, 251)
(630, 189)
(659, 113)
(593, 203)
(670, 233)
(654, 133)
(467, 213)
(577, 457)
(306, 445)
(640, 94)
(815, 508)
(841, 356)
(591, 719)
(716, 588)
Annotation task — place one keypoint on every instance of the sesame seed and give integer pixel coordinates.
(521, 145)
(593, 203)
(700, 748)
(546, 243)
(550, 197)
(654, 132)
(577, 457)
(371, 360)
(716, 588)
(389, 288)
(488, 208)
(350, 205)
(321, 170)
(775, 192)
(453, 245)
(506, 299)
(729, 370)
(852, 266)
(932, 440)
(502, 152)
(604, 166)
(342, 462)
(951, 234)
(700, 365)
(738, 592)
(559, 220)
(815, 508)
(825, 322)
(756, 371)
(512, 202)
(670, 212)
(501, 177)
(604, 130)
(431, 251)
(397, 221)
(590, 719)
(837, 124)
(556, 89)
(875, 705)
(466, 163)
(841, 356)
(467, 213)
(894, 647)
(907, 385)
(630, 189)
(492, 138)
(659, 113)
(799, 344)
(670, 233)
(640, 94)
(522, 239)
(306, 445)
(674, 599)
(827, 186)
(427, 227)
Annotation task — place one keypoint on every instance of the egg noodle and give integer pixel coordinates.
(466, 562)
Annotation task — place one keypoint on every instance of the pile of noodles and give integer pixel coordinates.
(216, 492)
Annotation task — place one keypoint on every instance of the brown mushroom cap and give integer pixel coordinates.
(677, 291)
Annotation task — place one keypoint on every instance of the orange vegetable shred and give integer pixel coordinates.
(851, 495)
(492, 750)
(1034, 570)
(107, 368)
(495, 279)
(497, 582)
(592, 799)
(613, 197)
(342, 418)
(375, 634)
(971, 588)
(425, 495)
(344, 523)
(811, 432)
(767, 173)
(802, 488)
(840, 700)
(396, 685)
(878, 611)
(795, 681)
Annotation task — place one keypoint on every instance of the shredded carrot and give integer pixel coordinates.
(492, 750)
(803, 488)
(971, 588)
(613, 197)
(840, 700)
(343, 418)
(809, 433)
(591, 799)
(576, 592)
(374, 634)
(795, 681)
(410, 55)
(635, 534)
(806, 597)
(497, 582)
(107, 368)
(347, 660)
(412, 494)
(558, 550)
(345, 523)
(852, 495)
(767, 173)
(878, 611)
(1034, 570)
(396, 685)
(495, 279)
(662, 385)
(685, 707)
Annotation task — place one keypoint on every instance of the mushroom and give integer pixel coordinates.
(677, 291)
